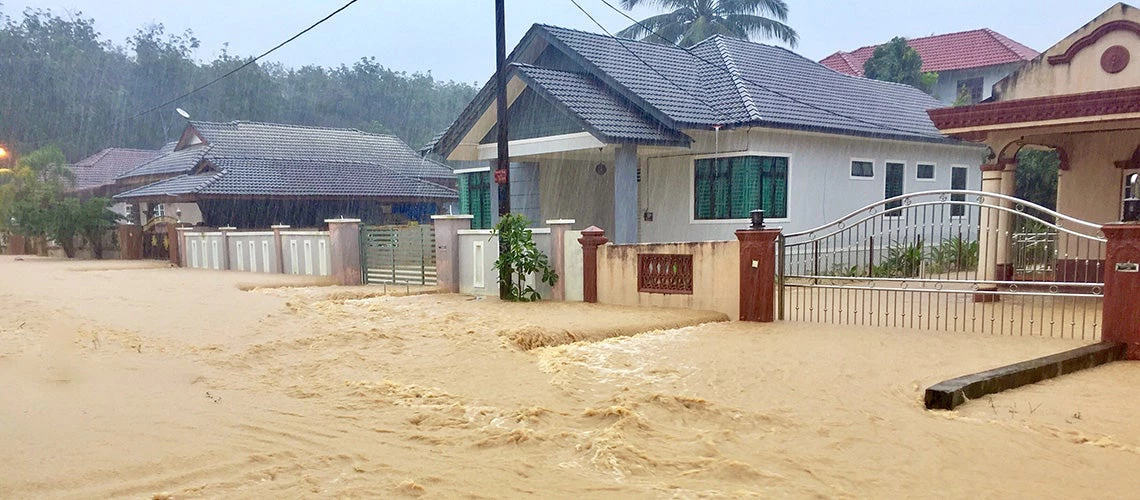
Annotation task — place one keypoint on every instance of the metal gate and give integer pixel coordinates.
(402, 255)
(948, 260)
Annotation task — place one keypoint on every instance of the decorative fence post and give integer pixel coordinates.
(757, 271)
(130, 242)
(447, 229)
(592, 238)
(226, 246)
(279, 262)
(174, 244)
(1121, 286)
(344, 247)
(558, 230)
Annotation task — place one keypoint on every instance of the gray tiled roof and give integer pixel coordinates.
(604, 113)
(253, 177)
(720, 81)
(177, 162)
(101, 169)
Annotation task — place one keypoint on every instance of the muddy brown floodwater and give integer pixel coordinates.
(136, 380)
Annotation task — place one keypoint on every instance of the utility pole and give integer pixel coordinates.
(503, 169)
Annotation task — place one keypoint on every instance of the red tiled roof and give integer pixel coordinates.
(101, 168)
(964, 50)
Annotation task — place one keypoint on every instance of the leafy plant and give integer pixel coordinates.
(519, 258)
(902, 261)
(954, 254)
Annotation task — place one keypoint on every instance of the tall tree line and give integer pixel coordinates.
(61, 83)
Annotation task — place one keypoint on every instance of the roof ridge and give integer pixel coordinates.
(1008, 42)
(294, 126)
(737, 81)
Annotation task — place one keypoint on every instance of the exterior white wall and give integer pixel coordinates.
(947, 88)
(820, 188)
(478, 251)
(304, 252)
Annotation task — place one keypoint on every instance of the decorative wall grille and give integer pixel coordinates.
(665, 273)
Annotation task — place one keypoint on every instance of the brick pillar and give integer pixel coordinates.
(174, 244)
(226, 246)
(592, 238)
(558, 230)
(344, 250)
(277, 244)
(1121, 314)
(447, 229)
(757, 274)
(130, 242)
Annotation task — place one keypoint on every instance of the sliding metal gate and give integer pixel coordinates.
(402, 255)
(948, 260)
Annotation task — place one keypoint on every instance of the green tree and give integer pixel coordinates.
(896, 61)
(1036, 176)
(691, 21)
(519, 258)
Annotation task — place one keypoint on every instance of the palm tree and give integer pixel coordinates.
(694, 20)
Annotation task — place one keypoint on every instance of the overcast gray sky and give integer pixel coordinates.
(454, 39)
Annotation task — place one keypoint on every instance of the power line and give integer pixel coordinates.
(651, 67)
(729, 71)
(239, 68)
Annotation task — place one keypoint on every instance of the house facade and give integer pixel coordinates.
(251, 174)
(656, 143)
(968, 61)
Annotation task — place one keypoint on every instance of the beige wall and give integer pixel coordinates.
(716, 276)
(1091, 189)
(1084, 74)
(572, 189)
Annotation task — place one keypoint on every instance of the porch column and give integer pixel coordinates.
(279, 262)
(558, 230)
(989, 234)
(1004, 268)
(592, 238)
(447, 229)
(344, 248)
(1121, 314)
(625, 195)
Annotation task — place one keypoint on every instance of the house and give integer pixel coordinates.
(95, 175)
(968, 61)
(656, 143)
(251, 174)
(1081, 97)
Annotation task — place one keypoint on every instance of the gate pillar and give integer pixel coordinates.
(757, 274)
(1121, 287)
(558, 228)
(447, 229)
(592, 238)
(130, 242)
(990, 236)
(344, 248)
(278, 247)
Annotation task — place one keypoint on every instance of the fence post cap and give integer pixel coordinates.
(560, 222)
(452, 217)
(227, 228)
(280, 226)
(342, 221)
(593, 231)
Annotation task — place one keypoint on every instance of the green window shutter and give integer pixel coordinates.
(722, 189)
(484, 190)
(464, 195)
(702, 184)
(745, 186)
(776, 194)
(894, 186)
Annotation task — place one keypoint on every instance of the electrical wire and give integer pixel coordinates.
(729, 71)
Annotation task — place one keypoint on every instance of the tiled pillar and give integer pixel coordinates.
(757, 274)
(447, 229)
(592, 238)
(1121, 287)
(130, 242)
(226, 246)
(344, 250)
(625, 195)
(279, 264)
(558, 230)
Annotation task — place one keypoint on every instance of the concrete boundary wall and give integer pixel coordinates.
(299, 252)
(478, 251)
(715, 282)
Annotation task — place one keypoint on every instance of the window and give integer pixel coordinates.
(925, 172)
(862, 168)
(730, 188)
(475, 197)
(970, 90)
(159, 210)
(958, 181)
(894, 188)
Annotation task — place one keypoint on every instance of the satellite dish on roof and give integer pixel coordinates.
(182, 112)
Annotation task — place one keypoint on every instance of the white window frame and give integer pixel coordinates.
(851, 165)
(965, 208)
(1124, 173)
(693, 187)
(159, 210)
(934, 171)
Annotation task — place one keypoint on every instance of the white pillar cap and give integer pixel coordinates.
(560, 222)
(452, 217)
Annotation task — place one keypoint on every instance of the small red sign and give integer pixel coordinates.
(501, 176)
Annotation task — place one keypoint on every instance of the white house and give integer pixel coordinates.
(970, 61)
(656, 143)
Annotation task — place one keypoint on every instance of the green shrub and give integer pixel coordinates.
(519, 258)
